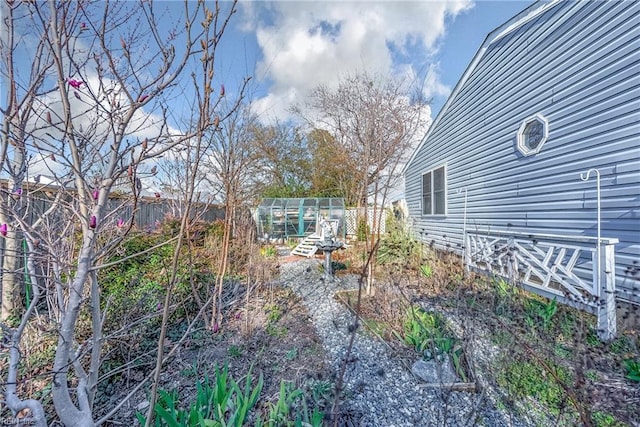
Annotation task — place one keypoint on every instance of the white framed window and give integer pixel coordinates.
(434, 191)
(533, 133)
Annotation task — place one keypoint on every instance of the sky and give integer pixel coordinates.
(290, 47)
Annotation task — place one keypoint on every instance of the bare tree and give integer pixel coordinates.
(18, 112)
(207, 119)
(375, 123)
(92, 114)
(231, 164)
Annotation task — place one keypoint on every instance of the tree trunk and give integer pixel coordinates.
(10, 274)
(69, 413)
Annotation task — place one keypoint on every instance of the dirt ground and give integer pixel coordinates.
(271, 336)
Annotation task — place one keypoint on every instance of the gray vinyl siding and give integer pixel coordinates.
(577, 64)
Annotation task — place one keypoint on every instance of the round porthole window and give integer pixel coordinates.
(532, 135)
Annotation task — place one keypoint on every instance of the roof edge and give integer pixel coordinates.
(503, 30)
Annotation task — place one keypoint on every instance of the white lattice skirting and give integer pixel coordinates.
(574, 270)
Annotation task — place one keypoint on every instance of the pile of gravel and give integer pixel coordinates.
(378, 390)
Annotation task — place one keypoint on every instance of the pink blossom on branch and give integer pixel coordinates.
(93, 222)
(74, 83)
(120, 223)
(3, 230)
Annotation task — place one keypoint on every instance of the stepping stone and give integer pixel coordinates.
(434, 372)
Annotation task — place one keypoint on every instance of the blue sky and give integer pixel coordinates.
(289, 47)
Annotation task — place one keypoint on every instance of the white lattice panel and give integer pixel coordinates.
(548, 265)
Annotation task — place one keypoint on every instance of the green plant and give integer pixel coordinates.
(603, 419)
(276, 331)
(235, 351)
(503, 288)
(189, 372)
(398, 247)
(456, 359)
(428, 334)
(522, 378)
(321, 391)
(274, 313)
(537, 310)
(426, 271)
(422, 330)
(362, 231)
(621, 344)
(591, 375)
(220, 404)
(632, 368)
(562, 352)
(292, 354)
(269, 251)
(547, 311)
(504, 296)
(291, 409)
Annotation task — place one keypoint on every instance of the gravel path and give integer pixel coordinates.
(379, 391)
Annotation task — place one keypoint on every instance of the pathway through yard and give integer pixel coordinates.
(379, 391)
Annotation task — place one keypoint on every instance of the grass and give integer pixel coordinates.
(526, 379)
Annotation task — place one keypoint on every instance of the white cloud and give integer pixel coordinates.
(433, 86)
(305, 44)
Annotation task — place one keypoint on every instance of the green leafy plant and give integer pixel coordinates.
(269, 251)
(428, 334)
(456, 359)
(632, 368)
(274, 313)
(603, 419)
(522, 378)
(292, 354)
(540, 311)
(547, 311)
(321, 391)
(362, 231)
(219, 404)
(398, 247)
(235, 351)
(291, 409)
(426, 271)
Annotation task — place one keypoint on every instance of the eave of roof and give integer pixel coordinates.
(505, 29)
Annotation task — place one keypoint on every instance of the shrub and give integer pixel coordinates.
(398, 247)
(362, 231)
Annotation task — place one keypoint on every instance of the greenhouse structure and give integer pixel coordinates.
(294, 218)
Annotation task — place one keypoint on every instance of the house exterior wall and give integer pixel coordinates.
(578, 65)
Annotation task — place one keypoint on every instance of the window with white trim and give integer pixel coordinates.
(532, 135)
(434, 192)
